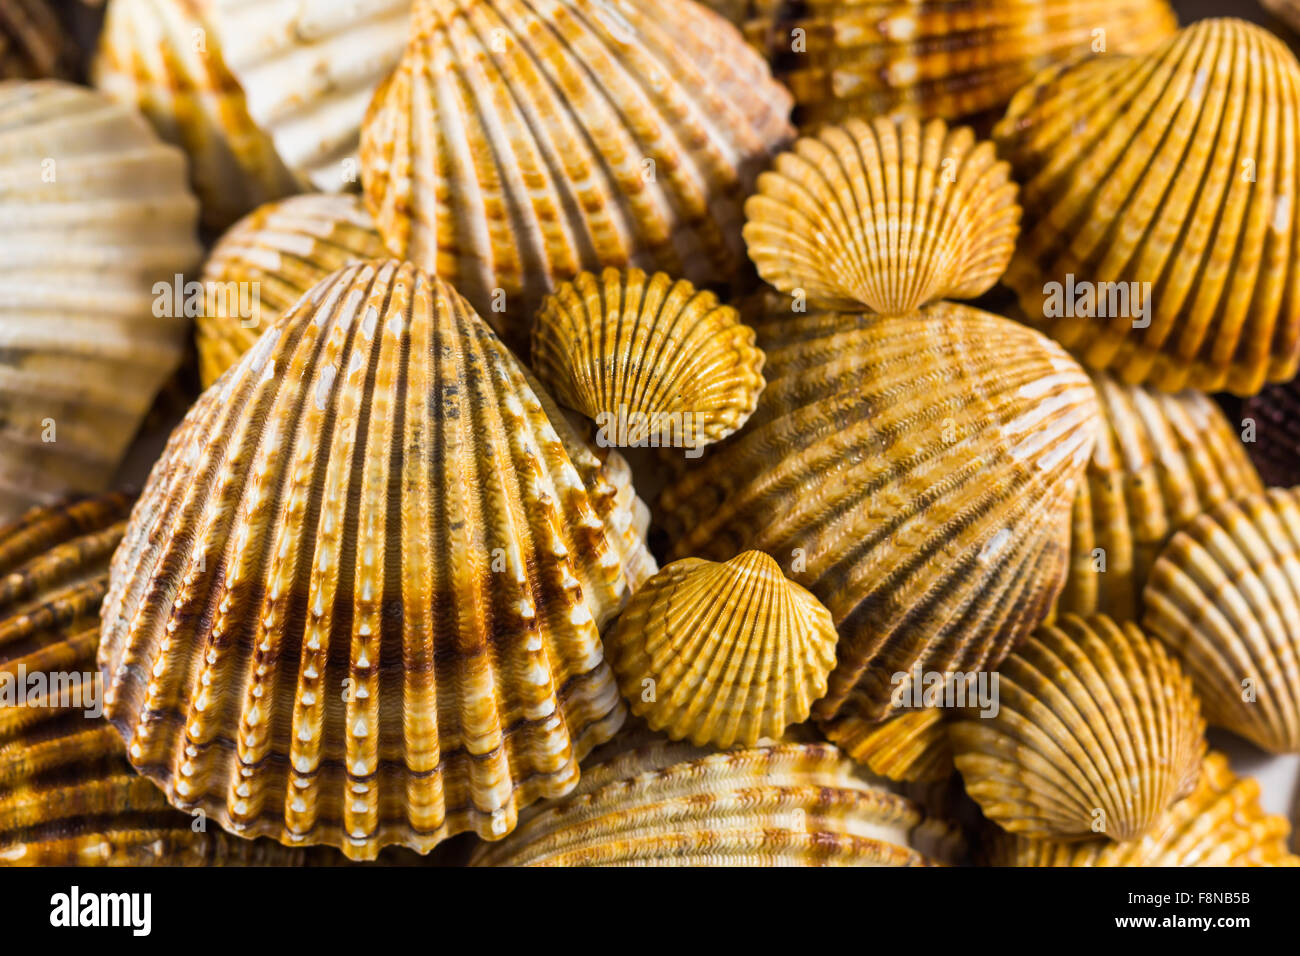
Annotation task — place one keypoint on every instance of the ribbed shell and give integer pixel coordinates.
(280, 250)
(625, 344)
(1276, 446)
(1219, 824)
(658, 120)
(359, 602)
(914, 473)
(95, 211)
(910, 747)
(1178, 169)
(888, 215)
(722, 653)
(33, 44)
(674, 805)
(1225, 596)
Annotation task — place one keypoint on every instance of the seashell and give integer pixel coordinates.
(162, 57)
(1224, 595)
(673, 363)
(33, 44)
(1219, 824)
(912, 747)
(888, 215)
(1286, 10)
(1097, 731)
(922, 493)
(375, 615)
(1176, 169)
(277, 253)
(1160, 460)
(670, 804)
(1275, 447)
(95, 212)
(733, 652)
(660, 120)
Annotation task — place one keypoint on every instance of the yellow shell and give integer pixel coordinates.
(888, 215)
(658, 121)
(278, 251)
(669, 362)
(1097, 731)
(375, 615)
(1176, 170)
(95, 212)
(922, 490)
(913, 746)
(1274, 415)
(33, 43)
(1219, 824)
(722, 653)
(1224, 595)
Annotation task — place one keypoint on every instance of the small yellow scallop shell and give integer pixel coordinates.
(913, 746)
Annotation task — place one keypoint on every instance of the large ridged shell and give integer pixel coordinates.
(914, 473)
(280, 251)
(1225, 596)
(722, 653)
(1275, 447)
(659, 119)
(33, 44)
(1097, 731)
(95, 211)
(887, 215)
(360, 600)
(913, 746)
(674, 805)
(1178, 169)
(625, 344)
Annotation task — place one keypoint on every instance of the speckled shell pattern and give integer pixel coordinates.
(95, 211)
(659, 119)
(1224, 595)
(888, 216)
(1178, 169)
(911, 747)
(360, 600)
(33, 44)
(1276, 446)
(280, 250)
(914, 473)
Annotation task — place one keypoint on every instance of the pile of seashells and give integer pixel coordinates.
(461, 276)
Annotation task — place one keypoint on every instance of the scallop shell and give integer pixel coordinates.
(95, 212)
(1177, 169)
(33, 43)
(374, 616)
(722, 653)
(1224, 595)
(270, 259)
(674, 805)
(911, 747)
(888, 215)
(659, 119)
(922, 492)
(1275, 444)
(1219, 824)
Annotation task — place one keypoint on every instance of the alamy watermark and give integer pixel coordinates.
(217, 300)
(1080, 299)
(69, 690)
(952, 689)
(631, 429)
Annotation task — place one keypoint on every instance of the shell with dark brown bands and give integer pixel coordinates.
(33, 44)
(1271, 421)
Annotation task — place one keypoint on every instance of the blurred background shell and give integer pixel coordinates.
(96, 212)
(1224, 595)
(922, 488)
(280, 250)
(660, 119)
(1176, 169)
(387, 562)
(33, 43)
(1286, 10)
(888, 215)
(1275, 441)
(913, 746)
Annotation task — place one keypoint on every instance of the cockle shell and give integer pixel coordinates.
(1275, 442)
(888, 215)
(670, 361)
(278, 251)
(1172, 177)
(1097, 731)
(922, 492)
(913, 746)
(1224, 595)
(1219, 824)
(675, 805)
(95, 212)
(659, 120)
(722, 653)
(360, 600)
(33, 44)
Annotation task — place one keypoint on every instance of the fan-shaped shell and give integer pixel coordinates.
(910, 747)
(888, 215)
(920, 488)
(1224, 595)
(359, 602)
(1161, 195)
(659, 120)
(95, 212)
(33, 43)
(1275, 441)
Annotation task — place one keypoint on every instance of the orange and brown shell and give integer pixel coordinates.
(33, 43)
(1274, 418)
(911, 747)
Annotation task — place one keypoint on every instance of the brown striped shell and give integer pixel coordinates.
(33, 44)
(360, 600)
(912, 746)
(1273, 420)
